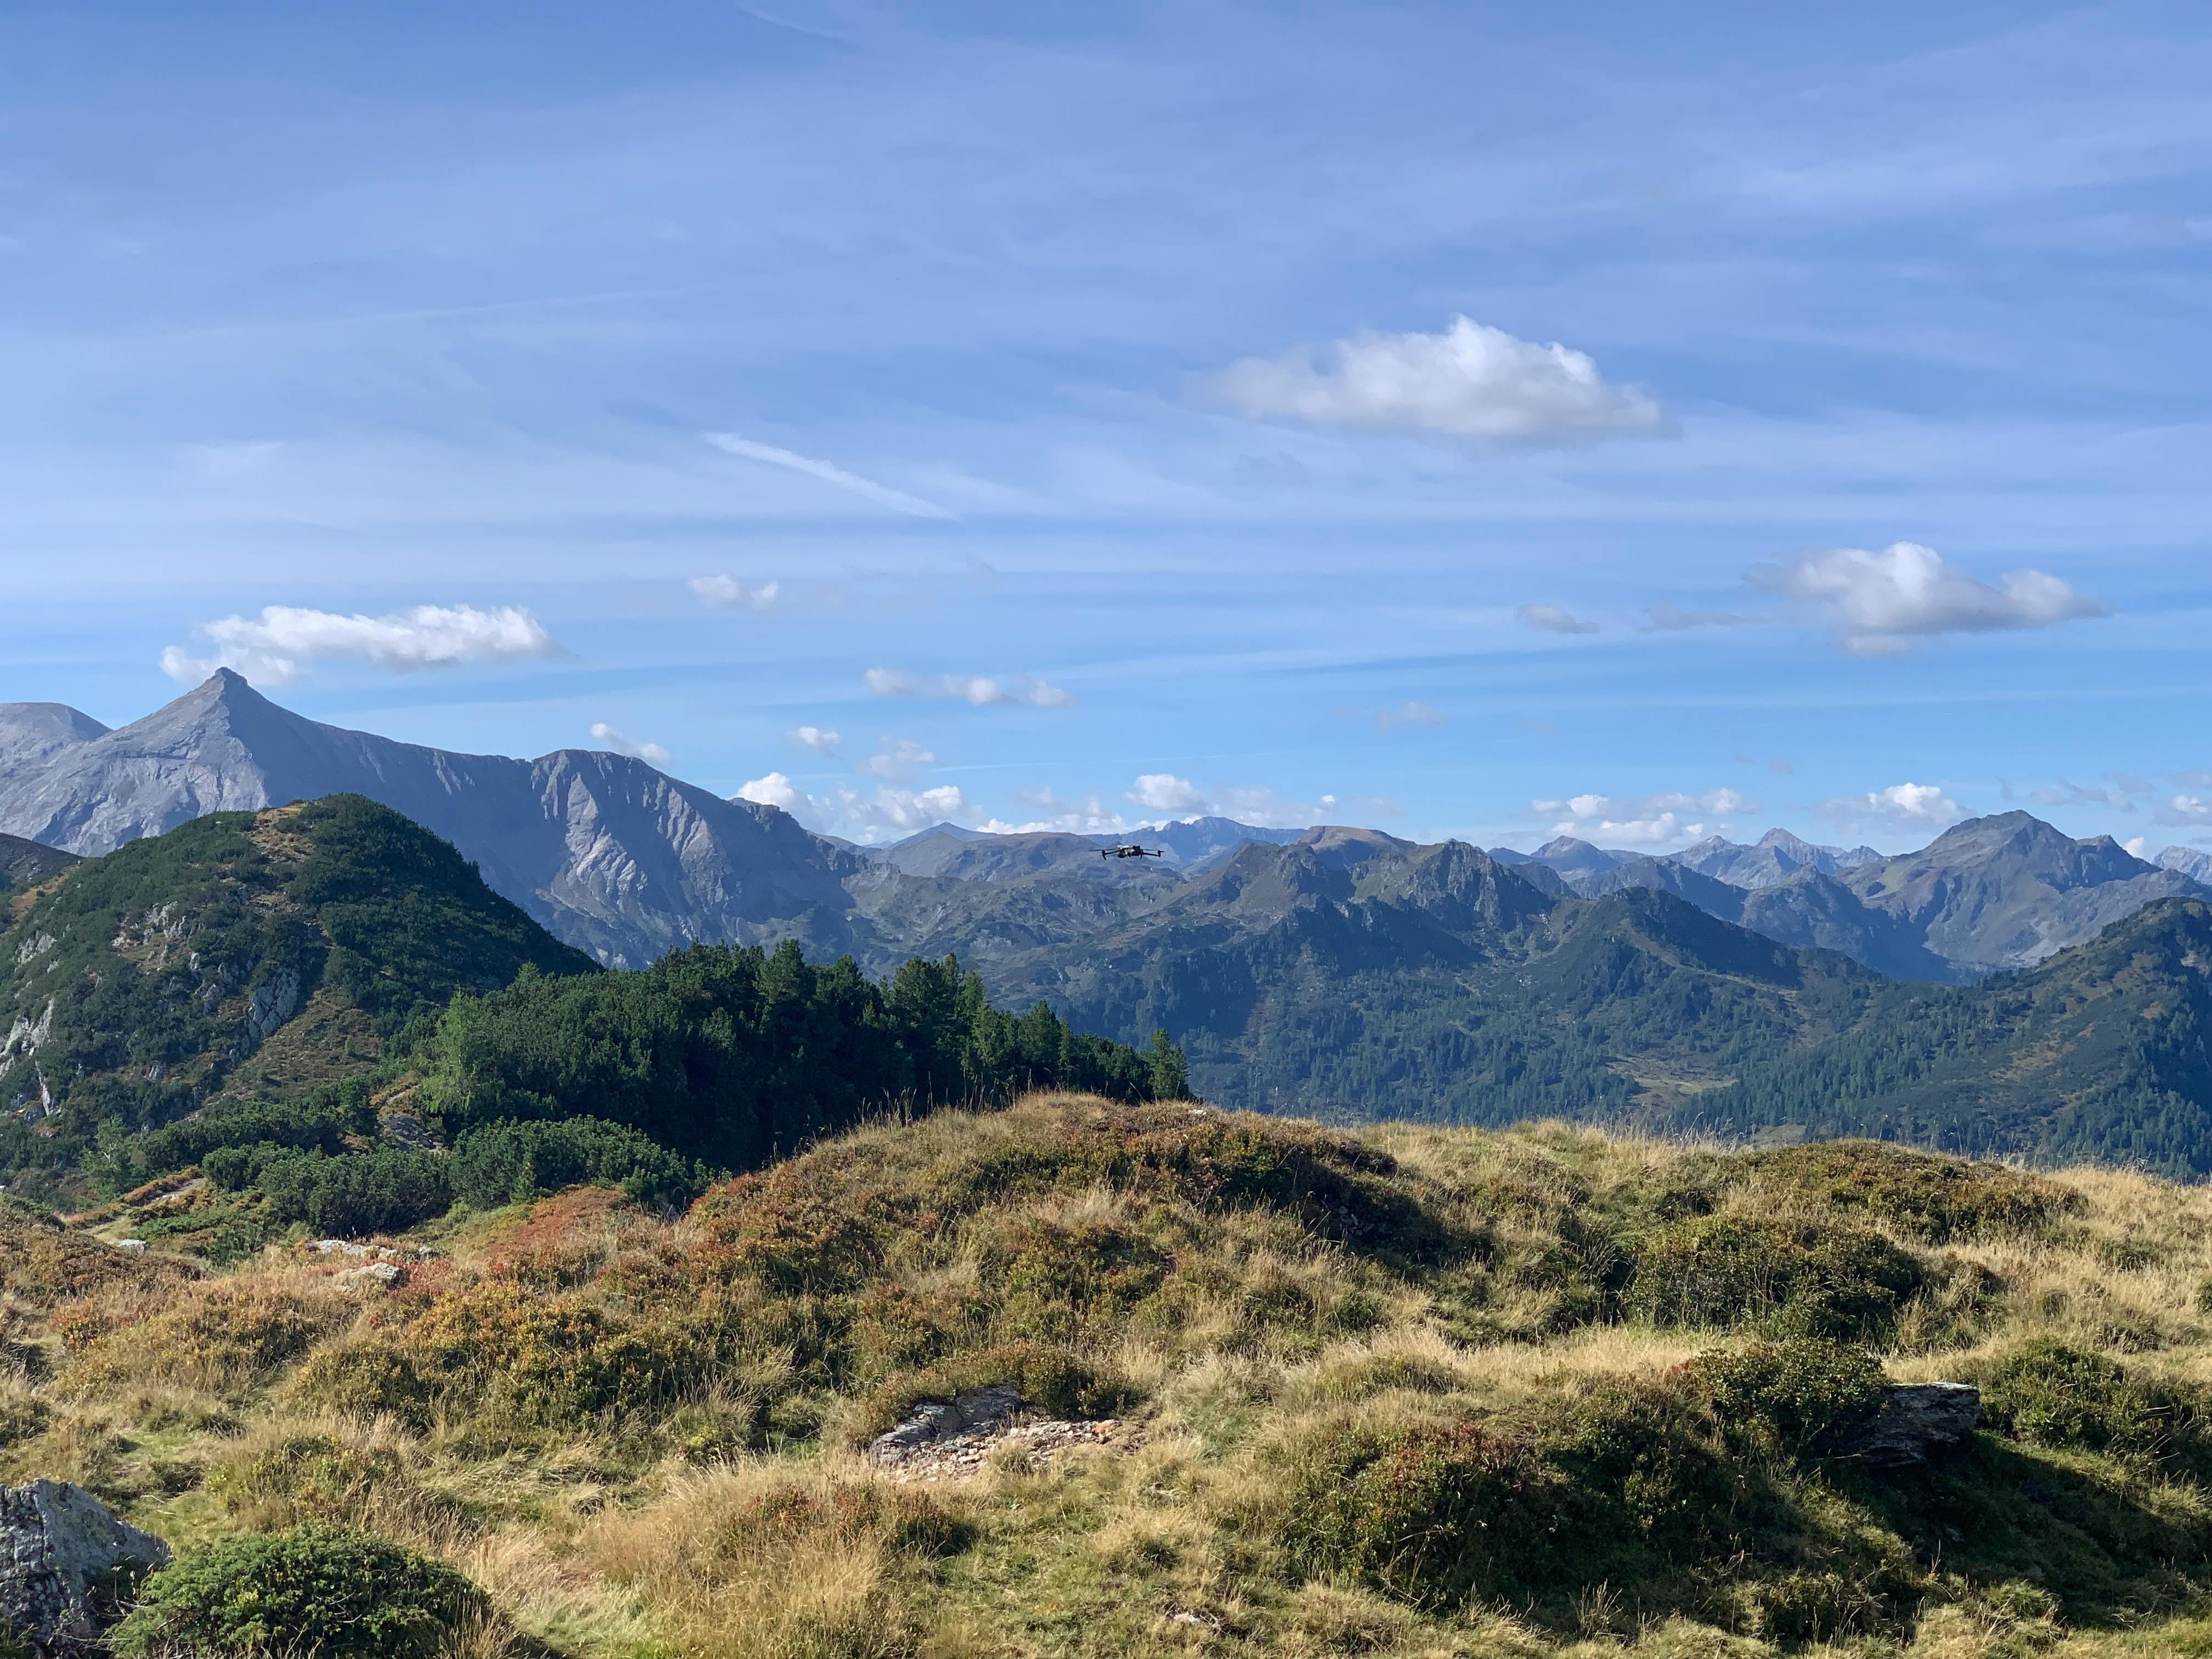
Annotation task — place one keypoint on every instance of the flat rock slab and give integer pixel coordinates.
(66, 1565)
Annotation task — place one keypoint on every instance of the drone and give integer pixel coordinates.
(1130, 852)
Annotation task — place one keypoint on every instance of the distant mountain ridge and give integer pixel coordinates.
(608, 854)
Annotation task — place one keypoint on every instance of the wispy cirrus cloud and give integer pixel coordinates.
(1674, 619)
(728, 593)
(269, 648)
(1469, 381)
(652, 753)
(979, 690)
(1884, 603)
(1552, 619)
(792, 461)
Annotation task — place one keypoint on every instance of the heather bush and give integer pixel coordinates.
(1792, 1278)
(1799, 1397)
(317, 1592)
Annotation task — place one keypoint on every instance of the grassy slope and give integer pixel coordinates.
(638, 1434)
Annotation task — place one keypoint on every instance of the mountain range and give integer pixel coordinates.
(1330, 970)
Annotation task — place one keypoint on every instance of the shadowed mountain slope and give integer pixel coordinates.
(2100, 1052)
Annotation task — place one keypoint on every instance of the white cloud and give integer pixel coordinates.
(1164, 792)
(1408, 715)
(1470, 381)
(652, 753)
(1673, 619)
(269, 648)
(970, 689)
(2073, 795)
(1901, 805)
(1552, 620)
(1086, 815)
(865, 816)
(883, 495)
(900, 759)
(2185, 810)
(1644, 820)
(819, 738)
(2137, 846)
(730, 594)
(774, 790)
(1879, 604)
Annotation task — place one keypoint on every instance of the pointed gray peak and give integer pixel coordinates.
(1858, 855)
(1508, 855)
(1805, 852)
(2192, 861)
(1572, 858)
(32, 733)
(946, 829)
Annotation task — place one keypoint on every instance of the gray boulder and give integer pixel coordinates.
(942, 1420)
(67, 1565)
(1918, 1421)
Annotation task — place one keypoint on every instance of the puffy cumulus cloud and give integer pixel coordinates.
(730, 594)
(1880, 605)
(900, 759)
(1409, 714)
(774, 790)
(867, 816)
(1470, 381)
(1551, 619)
(1164, 792)
(2137, 846)
(1673, 619)
(1644, 820)
(820, 739)
(652, 753)
(791, 461)
(1902, 805)
(978, 690)
(2185, 808)
(1082, 815)
(270, 647)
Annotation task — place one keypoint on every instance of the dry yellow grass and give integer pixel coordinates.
(730, 1518)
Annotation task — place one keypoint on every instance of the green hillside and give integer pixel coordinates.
(1276, 1391)
(242, 953)
(2100, 1053)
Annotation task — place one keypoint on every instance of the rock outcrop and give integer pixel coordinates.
(67, 1566)
(1918, 1421)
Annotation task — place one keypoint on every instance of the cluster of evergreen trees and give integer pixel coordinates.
(736, 1055)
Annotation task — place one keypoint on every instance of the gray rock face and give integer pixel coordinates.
(607, 854)
(1918, 1421)
(944, 1420)
(65, 1565)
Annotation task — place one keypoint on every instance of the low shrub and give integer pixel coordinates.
(317, 1592)
(227, 1336)
(513, 1163)
(1801, 1397)
(1438, 1513)
(1844, 1283)
(1935, 1199)
(349, 1195)
(2047, 1394)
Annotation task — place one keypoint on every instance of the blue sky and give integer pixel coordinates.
(1067, 405)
